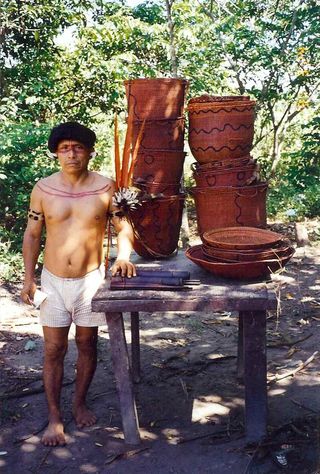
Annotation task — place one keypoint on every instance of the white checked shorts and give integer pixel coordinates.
(69, 300)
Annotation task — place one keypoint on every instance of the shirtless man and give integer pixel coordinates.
(73, 204)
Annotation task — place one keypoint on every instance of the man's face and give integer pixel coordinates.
(73, 156)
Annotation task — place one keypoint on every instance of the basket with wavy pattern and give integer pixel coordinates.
(229, 206)
(221, 130)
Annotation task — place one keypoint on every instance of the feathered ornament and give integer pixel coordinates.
(125, 199)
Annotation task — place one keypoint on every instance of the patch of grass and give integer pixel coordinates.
(11, 263)
(194, 324)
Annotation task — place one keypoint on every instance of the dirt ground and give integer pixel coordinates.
(189, 402)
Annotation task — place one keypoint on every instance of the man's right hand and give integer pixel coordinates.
(27, 292)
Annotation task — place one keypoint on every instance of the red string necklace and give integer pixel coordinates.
(62, 193)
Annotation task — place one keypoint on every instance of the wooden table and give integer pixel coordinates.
(251, 300)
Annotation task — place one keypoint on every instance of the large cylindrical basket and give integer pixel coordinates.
(229, 206)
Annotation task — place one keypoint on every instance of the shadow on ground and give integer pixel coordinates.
(189, 402)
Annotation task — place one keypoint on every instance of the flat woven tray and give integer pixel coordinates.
(242, 238)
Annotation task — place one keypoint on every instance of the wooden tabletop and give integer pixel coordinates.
(213, 294)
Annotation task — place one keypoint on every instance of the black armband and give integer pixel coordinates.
(36, 216)
(112, 214)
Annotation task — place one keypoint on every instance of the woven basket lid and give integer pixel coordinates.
(218, 98)
(242, 238)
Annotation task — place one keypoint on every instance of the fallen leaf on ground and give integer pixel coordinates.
(291, 351)
(112, 457)
(303, 322)
(212, 321)
(289, 296)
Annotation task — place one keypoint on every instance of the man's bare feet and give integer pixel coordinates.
(54, 434)
(83, 416)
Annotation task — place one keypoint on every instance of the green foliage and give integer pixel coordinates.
(268, 50)
(285, 202)
(295, 192)
(28, 56)
(11, 262)
(23, 162)
(271, 52)
(150, 12)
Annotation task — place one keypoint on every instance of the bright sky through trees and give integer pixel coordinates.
(66, 39)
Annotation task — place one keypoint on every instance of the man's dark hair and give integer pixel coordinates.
(71, 131)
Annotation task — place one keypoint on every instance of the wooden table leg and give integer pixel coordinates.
(135, 347)
(240, 372)
(122, 374)
(255, 374)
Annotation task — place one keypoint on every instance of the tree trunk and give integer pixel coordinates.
(275, 158)
(279, 136)
(173, 55)
(185, 231)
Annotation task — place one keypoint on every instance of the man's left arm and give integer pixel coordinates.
(125, 238)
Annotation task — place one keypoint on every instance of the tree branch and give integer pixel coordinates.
(242, 88)
(266, 84)
(287, 110)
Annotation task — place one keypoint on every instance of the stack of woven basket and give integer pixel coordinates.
(228, 191)
(157, 105)
(241, 252)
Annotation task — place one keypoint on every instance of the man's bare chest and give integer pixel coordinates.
(86, 211)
